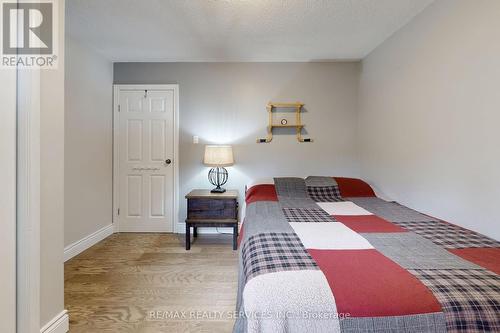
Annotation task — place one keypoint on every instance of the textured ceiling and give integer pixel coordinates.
(237, 30)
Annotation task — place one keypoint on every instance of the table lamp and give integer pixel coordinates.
(218, 157)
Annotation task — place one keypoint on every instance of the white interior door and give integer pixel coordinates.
(146, 160)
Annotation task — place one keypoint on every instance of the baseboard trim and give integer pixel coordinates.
(58, 324)
(79, 246)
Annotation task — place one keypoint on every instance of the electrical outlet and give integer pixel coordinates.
(195, 139)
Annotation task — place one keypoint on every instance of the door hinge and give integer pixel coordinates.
(118, 211)
(119, 108)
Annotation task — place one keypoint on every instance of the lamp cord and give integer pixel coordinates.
(222, 233)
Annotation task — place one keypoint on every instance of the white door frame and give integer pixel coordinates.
(8, 160)
(116, 147)
(28, 201)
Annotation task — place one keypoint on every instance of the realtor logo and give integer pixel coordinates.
(28, 34)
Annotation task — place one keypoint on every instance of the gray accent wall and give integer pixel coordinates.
(226, 103)
(88, 142)
(430, 112)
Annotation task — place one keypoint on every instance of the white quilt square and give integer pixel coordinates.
(343, 208)
(329, 236)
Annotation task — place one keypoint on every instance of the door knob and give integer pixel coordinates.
(168, 161)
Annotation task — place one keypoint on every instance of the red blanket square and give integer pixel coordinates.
(365, 283)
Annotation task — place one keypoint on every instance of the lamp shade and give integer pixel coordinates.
(218, 156)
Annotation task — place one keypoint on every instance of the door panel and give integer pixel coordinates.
(160, 102)
(133, 102)
(146, 132)
(134, 196)
(157, 104)
(134, 140)
(157, 208)
(158, 141)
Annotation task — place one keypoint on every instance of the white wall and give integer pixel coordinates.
(430, 112)
(88, 142)
(52, 184)
(226, 103)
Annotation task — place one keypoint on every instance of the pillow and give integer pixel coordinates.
(323, 189)
(353, 187)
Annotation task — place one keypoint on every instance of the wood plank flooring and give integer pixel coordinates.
(116, 285)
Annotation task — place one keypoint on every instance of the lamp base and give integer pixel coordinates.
(217, 176)
(218, 190)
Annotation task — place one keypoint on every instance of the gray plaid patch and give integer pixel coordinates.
(307, 215)
(290, 187)
(410, 250)
(289, 202)
(390, 211)
(420, 323)
(324, 193)
(265, 216)
(470, 298)
(292, 193)
(320, 181)
(448, 235)
(274, 252)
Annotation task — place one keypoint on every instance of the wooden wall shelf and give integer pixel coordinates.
(287, 126)
(272, 107)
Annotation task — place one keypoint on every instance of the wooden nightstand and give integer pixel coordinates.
(206, 209)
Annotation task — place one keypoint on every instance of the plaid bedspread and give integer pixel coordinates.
(324, 254)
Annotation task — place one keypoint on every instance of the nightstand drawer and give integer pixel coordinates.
(200, 208)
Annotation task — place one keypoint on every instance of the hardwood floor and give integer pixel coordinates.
(116, 285)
